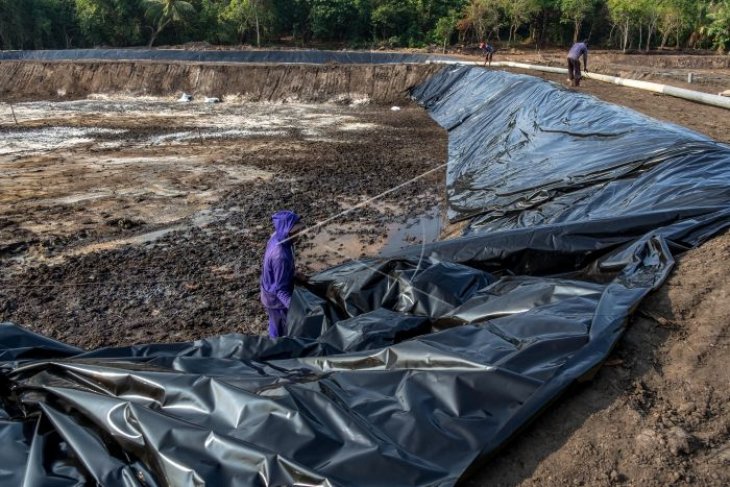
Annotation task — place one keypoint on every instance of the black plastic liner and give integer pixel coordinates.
(410, 370)
(274, 57)
(523, 153)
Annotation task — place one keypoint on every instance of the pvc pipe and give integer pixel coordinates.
(530, 67)
(696, 96)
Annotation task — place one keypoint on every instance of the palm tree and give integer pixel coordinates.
(165, 12)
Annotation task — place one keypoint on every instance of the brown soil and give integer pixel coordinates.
(158, 243)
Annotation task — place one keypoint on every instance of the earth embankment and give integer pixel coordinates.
(24, 80)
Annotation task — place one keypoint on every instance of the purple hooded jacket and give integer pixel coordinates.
(277, 274)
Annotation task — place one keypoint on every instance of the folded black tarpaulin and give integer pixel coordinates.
(407, 370)
(414, 409)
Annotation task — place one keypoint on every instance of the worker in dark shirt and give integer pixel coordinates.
(579, 49)
(487, 52)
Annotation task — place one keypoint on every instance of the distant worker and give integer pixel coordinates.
(487, 52)
(579, 49)
(278, 272)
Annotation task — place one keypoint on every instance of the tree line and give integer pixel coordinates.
(624, 24)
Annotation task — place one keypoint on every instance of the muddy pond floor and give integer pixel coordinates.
(129, 221)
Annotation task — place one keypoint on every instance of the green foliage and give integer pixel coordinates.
(390, 17)
(206, 25)
(675, 16)
(162, 13)
(445, 28)
(518, 13)
(623, 12)
(645, 24)
(719, 26)
(481, 18)
(576, 12)
(110, 22)
(239, 15)
(336, 19)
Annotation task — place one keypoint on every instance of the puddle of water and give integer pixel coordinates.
(336, 243)
(422, 229)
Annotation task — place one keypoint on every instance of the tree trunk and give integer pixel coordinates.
(258, 31)
(626, 36)
(576, 29)
(480, 30)
(648, 38)
(678, 45)
(543, 29)
(641, 35)
(155, 33)
(610, 35)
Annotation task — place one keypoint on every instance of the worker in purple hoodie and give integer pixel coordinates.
(278, 272)
(579, 49)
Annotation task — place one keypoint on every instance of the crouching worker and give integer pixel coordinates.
(579, 49)
(487, 52)
(278, 272)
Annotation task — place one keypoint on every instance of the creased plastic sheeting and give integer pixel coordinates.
(414, 404)
(524, 152)
(277, 57)
(409, 370)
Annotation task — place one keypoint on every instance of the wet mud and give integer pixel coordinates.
(131, 222)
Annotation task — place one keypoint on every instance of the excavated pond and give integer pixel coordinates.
(154, 213)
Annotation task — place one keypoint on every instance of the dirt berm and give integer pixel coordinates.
(21, 80)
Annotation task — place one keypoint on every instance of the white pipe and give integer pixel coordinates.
(696, 96)
(530, 67)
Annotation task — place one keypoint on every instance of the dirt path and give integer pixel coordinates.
(710, 72)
